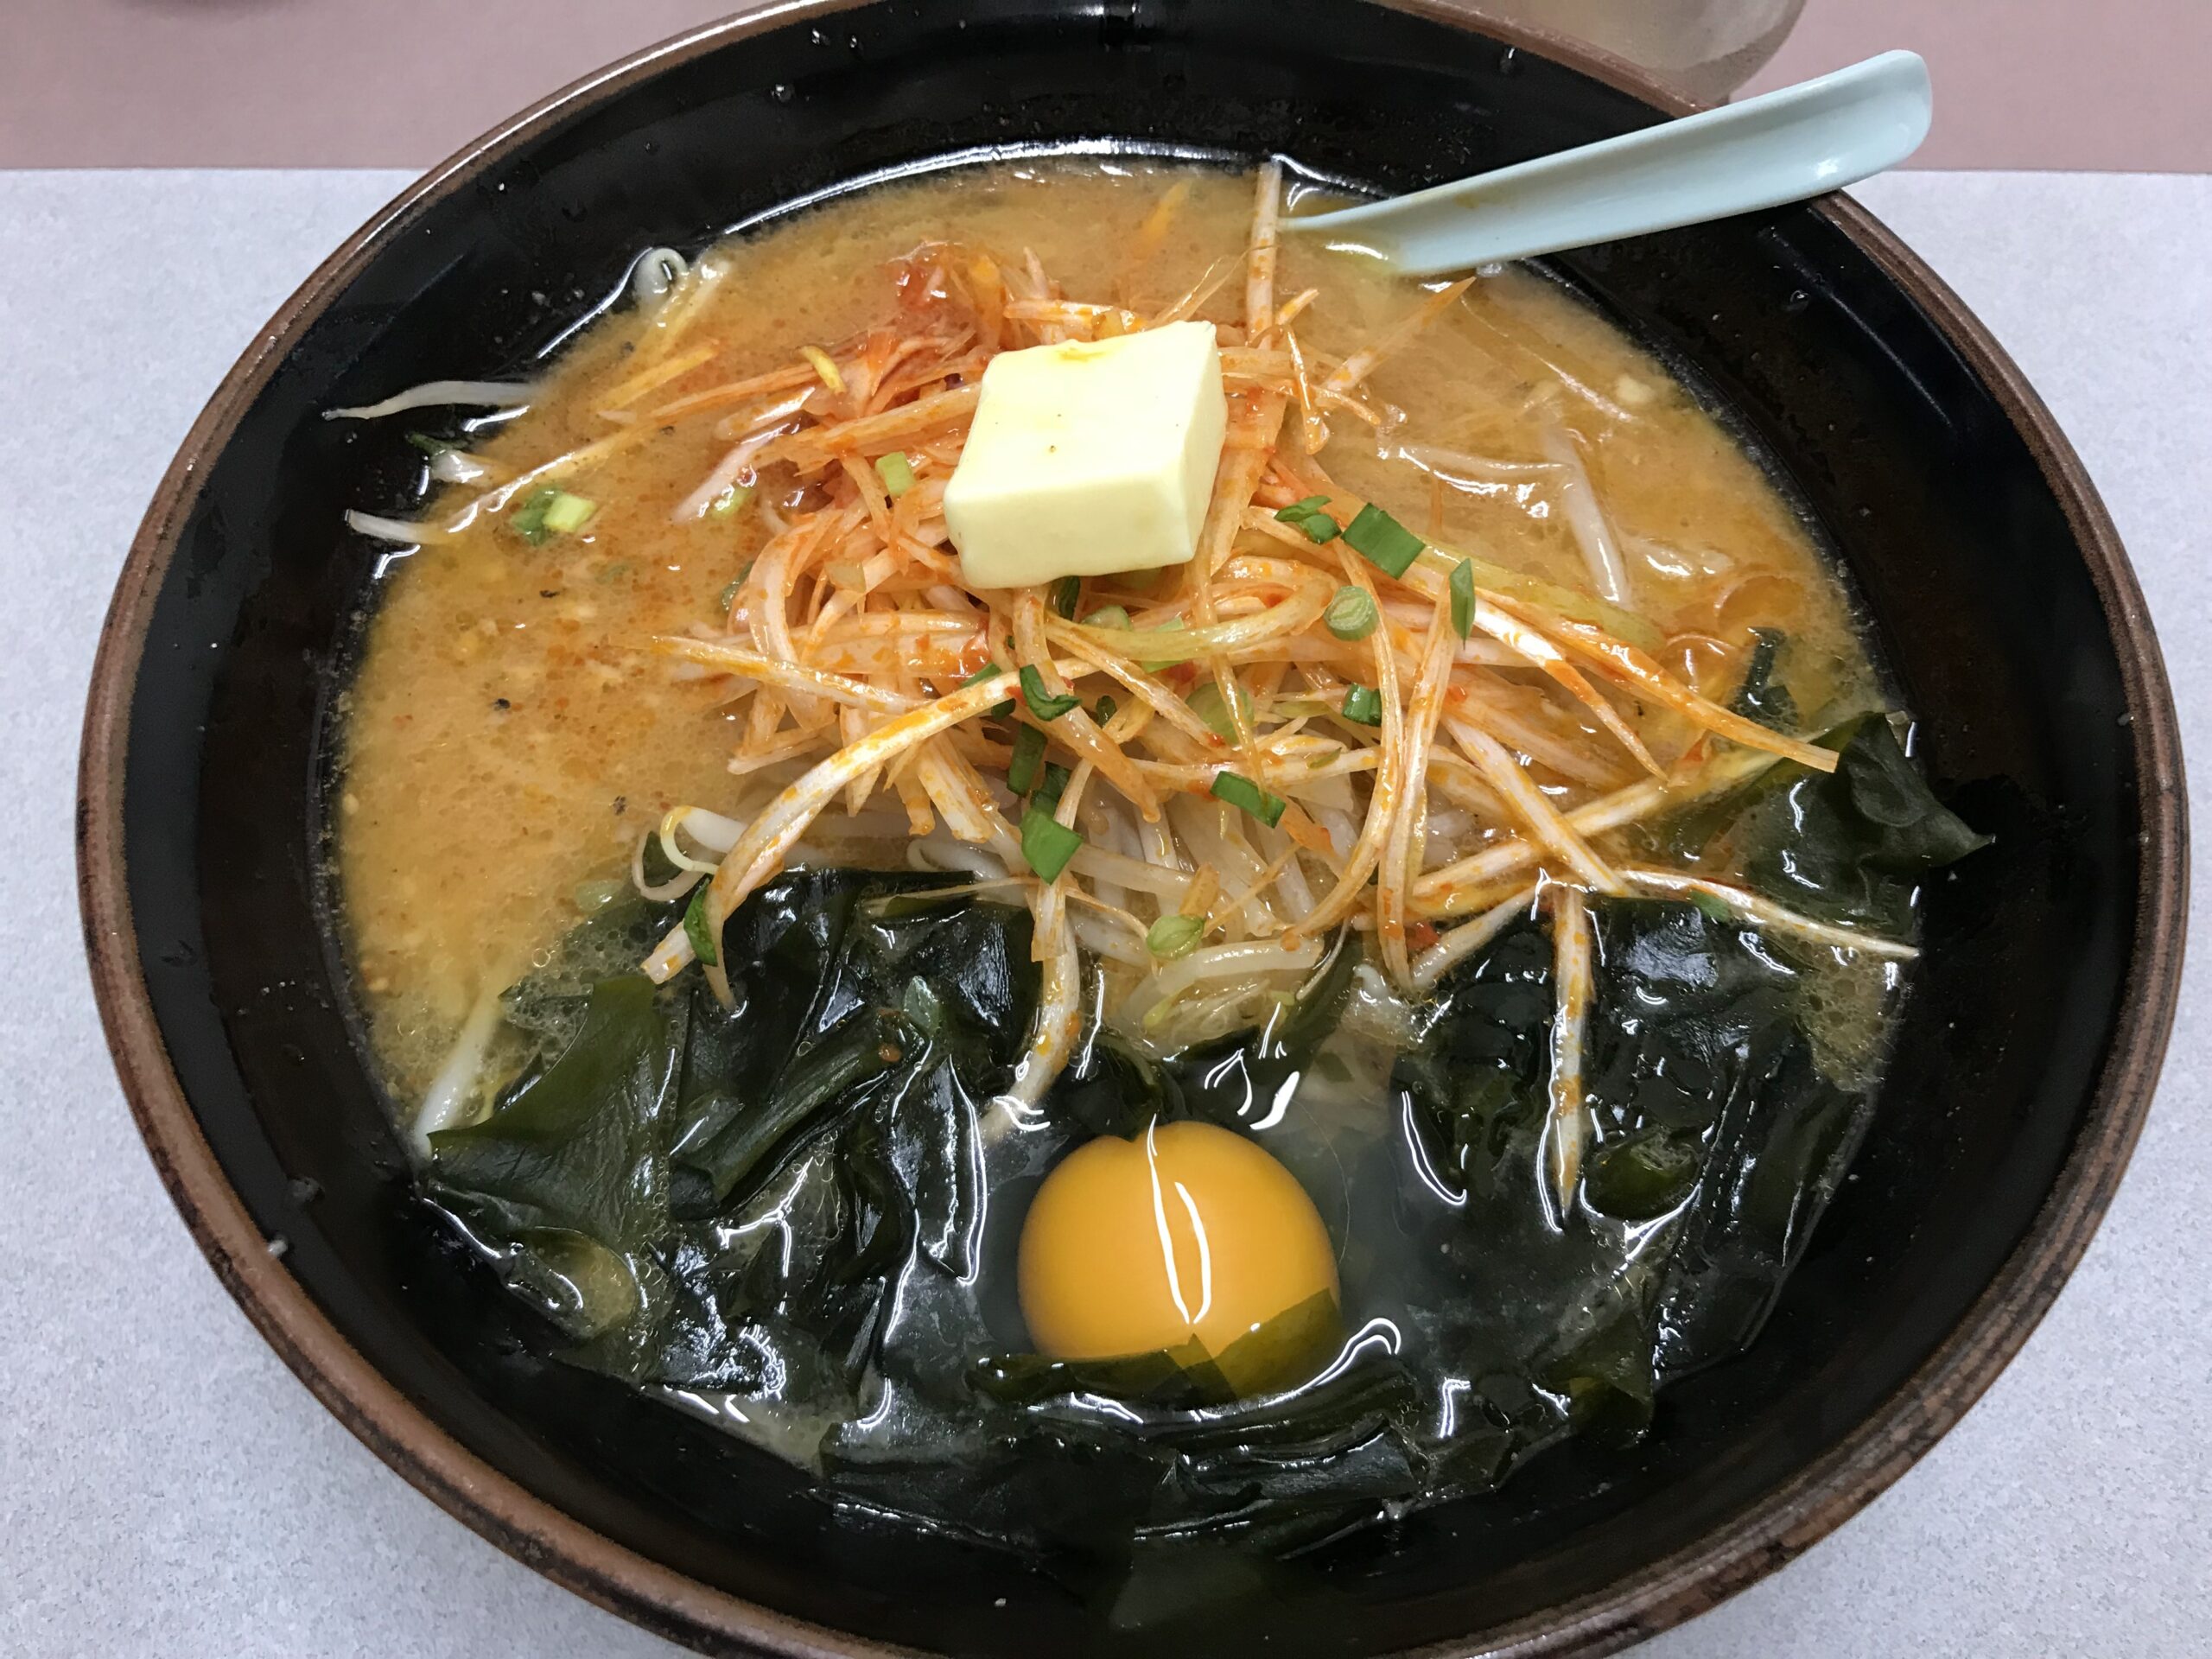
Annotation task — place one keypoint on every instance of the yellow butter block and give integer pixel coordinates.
(1089, 457)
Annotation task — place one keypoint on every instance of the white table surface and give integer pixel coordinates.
(166, 1487)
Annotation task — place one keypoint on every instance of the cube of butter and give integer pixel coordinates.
(1089, 457)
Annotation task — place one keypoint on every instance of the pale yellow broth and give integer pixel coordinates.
(509, 736)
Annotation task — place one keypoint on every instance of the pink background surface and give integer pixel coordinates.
(2119, 86)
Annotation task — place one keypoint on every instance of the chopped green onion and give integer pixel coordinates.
(1056, 782)
(896, 471)
(1041, 702)
(1066, 592)
(695, 925)
(1028, 752)
(998, 710)
(729, 501)
(430, 446)
(529, 519)
(1351, 614)
(1310, 516)
(1206, 701)
(551, 512)
(1173, 624)
(1105, 710)
(1174, 936)
(1107, 616)
(1241, 792)
(1362, 705)
(1714, 909)
(1047, 843)
(1463, 598)
(1382, 541)
(566, 512)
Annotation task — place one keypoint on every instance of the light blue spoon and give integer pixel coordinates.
(1800, 142)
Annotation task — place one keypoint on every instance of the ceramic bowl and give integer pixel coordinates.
(1996, 592)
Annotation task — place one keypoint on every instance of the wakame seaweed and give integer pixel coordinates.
(712, 1197)
(1849, 846)
(807, 1201)
(1112, 1088)
(1763, 697)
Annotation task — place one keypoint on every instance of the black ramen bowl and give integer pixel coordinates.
(2000, 598)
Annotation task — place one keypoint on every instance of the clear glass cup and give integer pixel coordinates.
(1704, 47)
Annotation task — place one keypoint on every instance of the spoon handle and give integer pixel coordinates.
(1784, 146)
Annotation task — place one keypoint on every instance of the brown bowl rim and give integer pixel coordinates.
(1765, 1535)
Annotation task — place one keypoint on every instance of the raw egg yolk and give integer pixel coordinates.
(1186, 1232)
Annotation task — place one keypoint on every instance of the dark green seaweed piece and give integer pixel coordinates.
(566, 1148)
(1776, 1158)
(565, 1182)
(1689, 1011)
(631, 1179)
(1763, 697)
(1073, 1493)
(549, 1006)
(1111, 1087)
(1642, 1177)
(1476, 1077)
(1235, 1077)
(1275, 1470)
(1171, 1381)
(1607, 1377)
(735, 1141)
(1847, 847)
(1686, 836)
(1715, 1141)
(1286, 1349)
